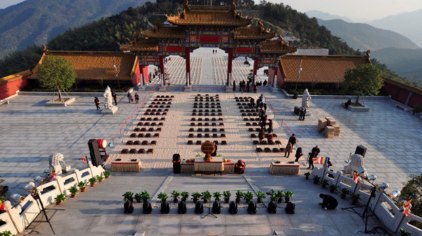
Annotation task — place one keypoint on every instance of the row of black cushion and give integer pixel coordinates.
(147, 129)
(264, 142)
(206, 119)
(207, 107)
(246, 107)
(206, 114)
(157, 110)
(249, 110)
(159, 106)
(207, 124)
(138, 142)
(162, 100)
(266, 136)
(199, 142)
(155, 113)
(207, 130)
(207, 110)
(252, 124)
(160, 103)
(207, 135)
(267, 149)
(251, 119)
(152, 119)
(150, 124)
(206, 103)
(147, 135)
(250, 114)
(245, 104)
(242, 98)
(139, 151)
(207, 99)
(165, 96)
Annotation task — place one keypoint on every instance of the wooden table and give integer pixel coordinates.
(126, 166)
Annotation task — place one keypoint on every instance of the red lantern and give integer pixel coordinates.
(102, 143)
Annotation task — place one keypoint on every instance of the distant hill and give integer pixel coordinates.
(326, 16)
(363, 36)
(407, 24)
(405, 62)
(37, 21)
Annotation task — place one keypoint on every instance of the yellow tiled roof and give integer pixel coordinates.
(18, 75)
(209, 17)
(97, 65)
(252, 32)
(318, 69)
(276, 46)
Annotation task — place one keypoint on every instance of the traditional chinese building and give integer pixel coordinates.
(209, 26)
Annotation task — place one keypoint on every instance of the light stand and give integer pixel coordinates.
(209, 212)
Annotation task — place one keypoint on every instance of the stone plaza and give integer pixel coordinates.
(31, 132)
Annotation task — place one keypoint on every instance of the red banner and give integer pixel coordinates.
(244, 50)
(209, 39)
(174, 49)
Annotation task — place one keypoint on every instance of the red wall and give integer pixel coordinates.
(136, 77)
(403, 93)
(10, 87)
(145, 74)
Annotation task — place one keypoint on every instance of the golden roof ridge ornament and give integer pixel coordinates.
(186, 6)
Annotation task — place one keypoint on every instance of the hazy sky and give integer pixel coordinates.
(357, 10)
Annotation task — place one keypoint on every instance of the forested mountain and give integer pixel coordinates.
(363, 36)
(37, 21)
(108, 33)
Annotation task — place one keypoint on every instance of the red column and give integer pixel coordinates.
(229, 66)
(162, 69)
(255, 68)
(187, 58)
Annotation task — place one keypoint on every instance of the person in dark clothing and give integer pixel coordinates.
(270, 126)
(348, 103)
(129, 97)
(234, 86)
(315, 151)
(265, 83)
(265, 106)
(254, 88)
(136, 97)
(298, 154)
(303, 113)
(215, 150)
(114, 95)
(311, 161)
(252, 102)
(328, 202)
(292, 140)
(97, 103)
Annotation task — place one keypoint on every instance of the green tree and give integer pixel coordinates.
(57, 74)
(413, 190)
(366, 79)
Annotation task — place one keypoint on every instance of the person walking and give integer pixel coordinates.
(298, 154)
(136, 97)
(315, 151)
(114, 95)
(288, 150)
(292, 140)
(97, 103)
(270, 126)
(129, 97)
(234, 86)
(311, 161)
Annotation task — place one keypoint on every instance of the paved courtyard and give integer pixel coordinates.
(30, 132)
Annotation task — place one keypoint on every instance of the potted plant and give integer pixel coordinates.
(272, 205)
(333, 188)
(355, 199)
(185, 196)
(316, 179)
(196, 196)
(206, 196)
(248, 196)
(5, 233)
(100, 178)
(280, 195)
(106, 174)
(307, 174)
(165, 207)
(260, 196)
(59, 199)
(175, 196)
(287, 196)
(92, 181)
(227, 195)
(239, 196)
(128, 196)
(146, 205)
(324, 183)
(217, 196)
(344, 192)
(73, 190)
(162, 196)
(138, 197)
(82, 186)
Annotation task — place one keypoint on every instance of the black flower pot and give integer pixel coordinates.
(286, 199)
(272, 207)
(175, 200)
(146, 207)
(128, 207)
(181, 207)
(252, 208)
(165, 208)
(226, 200)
